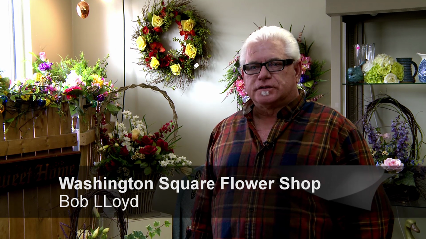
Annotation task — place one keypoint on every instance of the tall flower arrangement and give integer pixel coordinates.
(312, 70)
(398, 151)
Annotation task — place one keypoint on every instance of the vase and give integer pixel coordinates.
(408, 75)
(422, 68)
(145, 196)
(401, 193)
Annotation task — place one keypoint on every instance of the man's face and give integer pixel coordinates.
(271, 89)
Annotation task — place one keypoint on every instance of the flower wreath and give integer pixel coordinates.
(174, 67)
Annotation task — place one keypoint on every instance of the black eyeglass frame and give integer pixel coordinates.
(285, 62)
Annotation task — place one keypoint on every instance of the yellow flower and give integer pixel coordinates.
(141, 43)
(97, 80)
(190, 50)
(154, 63)
(175, 69)
(187, 25)
(135, 134)
(25, 97)
(95, 233)
(37, 77)
(47, 102)
(157, 21)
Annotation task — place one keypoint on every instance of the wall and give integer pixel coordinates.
(51, 30)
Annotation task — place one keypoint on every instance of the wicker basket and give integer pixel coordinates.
(145, 196)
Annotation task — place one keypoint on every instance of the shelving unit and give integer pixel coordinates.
(398, 29)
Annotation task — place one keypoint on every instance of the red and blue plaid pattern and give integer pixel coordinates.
(305, 133)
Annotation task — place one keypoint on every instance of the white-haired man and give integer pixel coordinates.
(279, 128)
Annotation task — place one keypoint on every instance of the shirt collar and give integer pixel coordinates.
(286, 112)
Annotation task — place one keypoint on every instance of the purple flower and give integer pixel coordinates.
(100, 98)
(304, 78)
(45, 66)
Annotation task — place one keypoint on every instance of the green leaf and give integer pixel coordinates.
(151, 234)
(138, 162)
(156, 224)
(147, 170)
(407, 179)
(9, 120)
(113, 109)
(158, 231)
(167, 223)
(178, 17)
(149, 228)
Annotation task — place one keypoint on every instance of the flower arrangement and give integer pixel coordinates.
(310, 78)
(88, 81)
(126, 151)
(4, 91)
(174, 67)
(398, 150)
(311, 69)
(383, 69)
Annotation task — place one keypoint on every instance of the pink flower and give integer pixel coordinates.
(239, 85)
(306, 63)
(42, 56)
(391, 164)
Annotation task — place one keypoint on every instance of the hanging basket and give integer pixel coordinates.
(145, 196)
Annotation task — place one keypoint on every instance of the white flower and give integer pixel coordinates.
(391, 78)
(196, 65)
(367, 66)
(383, 60)
(127, 114)
(72, 78)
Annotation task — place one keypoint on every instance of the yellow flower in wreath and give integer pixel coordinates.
(190, 50)
(157, 21)
(187, 25)
(154, 63)
(141, 43)
(175, 69)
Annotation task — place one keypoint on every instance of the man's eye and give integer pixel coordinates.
(252, 67)
(274, 63)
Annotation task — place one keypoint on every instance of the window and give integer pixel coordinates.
(15, 40)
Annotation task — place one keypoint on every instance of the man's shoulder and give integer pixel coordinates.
(236, 118)
(328, 112)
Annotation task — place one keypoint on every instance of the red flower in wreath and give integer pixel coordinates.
(165, 61)
(158, 29)
(145, 30)
(186, 34)
(157, 47)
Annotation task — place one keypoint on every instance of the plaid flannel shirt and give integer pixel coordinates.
(305, 133)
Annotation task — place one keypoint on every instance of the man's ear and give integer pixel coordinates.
(298, 69)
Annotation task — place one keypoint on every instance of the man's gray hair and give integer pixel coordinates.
(291, 47)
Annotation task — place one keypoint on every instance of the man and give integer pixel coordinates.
(277, 128)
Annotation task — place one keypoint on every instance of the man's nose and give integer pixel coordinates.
(264, 73)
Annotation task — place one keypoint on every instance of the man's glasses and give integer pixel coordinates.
(271, 66)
